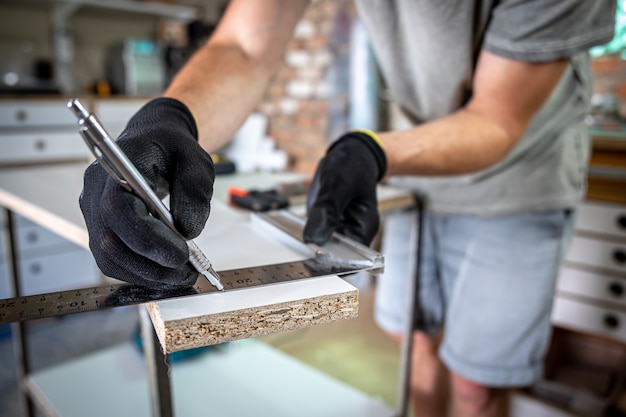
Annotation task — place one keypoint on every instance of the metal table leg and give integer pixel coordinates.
(407, 345)
(157, 366)
(18, 330)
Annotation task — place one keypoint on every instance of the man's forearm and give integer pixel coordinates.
(225, 80)
(506, 96)
(221, 87)
(458, 144)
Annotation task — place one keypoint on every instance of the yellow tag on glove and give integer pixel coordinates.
(371, 134)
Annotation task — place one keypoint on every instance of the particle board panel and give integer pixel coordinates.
(237, 314)
(232, 241)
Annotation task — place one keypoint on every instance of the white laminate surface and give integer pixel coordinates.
(220, 302)
(232, 241)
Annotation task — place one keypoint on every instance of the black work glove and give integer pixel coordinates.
(342, 196)
(127, 242)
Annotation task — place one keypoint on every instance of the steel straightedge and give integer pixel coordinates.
(340, 256)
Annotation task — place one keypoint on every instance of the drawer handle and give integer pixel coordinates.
(41, 145)
(21, 115)
(616, 289)
(620, 256)
(621, 221)
(611, 321)
(32, 237)
(35, 268)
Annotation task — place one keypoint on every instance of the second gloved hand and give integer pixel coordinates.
(127, 242)
(342, 196)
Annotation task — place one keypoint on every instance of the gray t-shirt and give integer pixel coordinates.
(427, 51)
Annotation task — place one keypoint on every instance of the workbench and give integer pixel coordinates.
(48, 195)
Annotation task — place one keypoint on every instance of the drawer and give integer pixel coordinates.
(5, 286)
(608, 219)
(119, 111)
(41, 147)
(35, 114)
(592, 284)
(574, 314)
(34, 240)
(30, 235)
(115, 114)
(598, 253)
(58, 272)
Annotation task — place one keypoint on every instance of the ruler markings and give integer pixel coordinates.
(118, 295)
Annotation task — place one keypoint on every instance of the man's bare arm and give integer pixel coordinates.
(225, 80)
(507, 94)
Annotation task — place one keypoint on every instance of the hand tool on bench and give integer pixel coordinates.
(257, 200)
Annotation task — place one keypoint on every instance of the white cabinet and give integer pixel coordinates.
(45, 131)
(46, 261)
(589, 314)
(35, 114)
(114, 114)
(38, 131)
(58, 271)
(591, 290)
(41, 147)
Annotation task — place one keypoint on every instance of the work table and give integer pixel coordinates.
(48, 196)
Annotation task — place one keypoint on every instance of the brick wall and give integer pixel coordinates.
(304, 103)
(609, 73)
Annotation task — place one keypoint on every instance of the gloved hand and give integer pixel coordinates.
(342, 196)
(126, 241)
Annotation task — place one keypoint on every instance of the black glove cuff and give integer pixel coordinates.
(165, 109)
(371, 144)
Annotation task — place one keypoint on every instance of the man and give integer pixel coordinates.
(497, 91)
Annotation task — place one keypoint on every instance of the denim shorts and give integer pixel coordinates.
(487, 282)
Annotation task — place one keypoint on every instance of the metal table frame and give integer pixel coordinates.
(158, 363)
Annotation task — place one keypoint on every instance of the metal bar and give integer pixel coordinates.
(338, 250)
(407, 342)
(607, 172)
(341, 256)
(157, 368)
(18, 330)
(98, 298)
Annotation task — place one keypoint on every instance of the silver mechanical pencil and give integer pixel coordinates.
(117, 164)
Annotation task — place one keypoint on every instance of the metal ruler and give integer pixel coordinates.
(339, 256)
